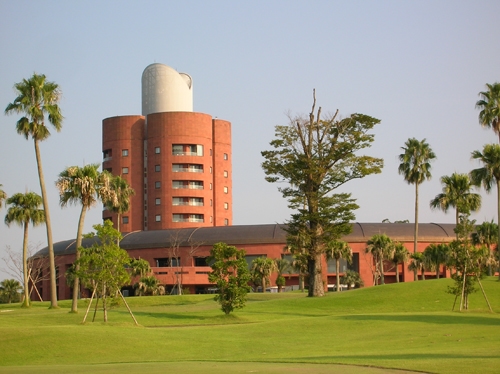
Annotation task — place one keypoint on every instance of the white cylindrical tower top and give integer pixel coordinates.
(166, 90)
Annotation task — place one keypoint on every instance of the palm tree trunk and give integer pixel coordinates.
(415, 232)
(498, 218)
(397, 272)
(337, 277)
(76, 283)
(48, 225)
(26, 302)
(263, 281)
(381, 267)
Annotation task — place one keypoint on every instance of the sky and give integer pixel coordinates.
(418, 66)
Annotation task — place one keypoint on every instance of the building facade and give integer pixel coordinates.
(177, 161)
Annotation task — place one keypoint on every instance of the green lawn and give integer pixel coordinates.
(401, 326)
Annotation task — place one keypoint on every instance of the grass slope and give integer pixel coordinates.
(407, 326)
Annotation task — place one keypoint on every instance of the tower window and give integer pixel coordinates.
(124, 152)
(225, 156)
(124, 170)
(157, 201)
(157, 150)
(157, 168)
(158, 218)
(157, 185)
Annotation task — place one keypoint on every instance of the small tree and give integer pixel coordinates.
(399, 256)
(263, 267)
(338, 249)
(381, 247)
(9, 291)
(103, 266)
(350, 278)
(418, 263)
(230, 274)
(282, 266)
(436, 255)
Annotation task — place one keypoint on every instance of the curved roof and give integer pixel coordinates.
(258, 234)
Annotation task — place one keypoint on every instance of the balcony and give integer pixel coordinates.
(191, 275)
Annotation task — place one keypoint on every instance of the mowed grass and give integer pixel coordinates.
(406, 326)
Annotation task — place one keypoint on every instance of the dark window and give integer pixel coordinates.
(200, 261)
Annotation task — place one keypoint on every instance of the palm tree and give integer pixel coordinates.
(489, 106)
(416, 168)
(79, 185)
(489, 174)
(37, 98)
(381, 247)
(436, 255)
(338, 249)
(457, 194)
(119, 200)
(3, 195)
(140, 267)
(263, 267)
(25, 209)
(486, 234)
(400, 255)
(9, 289)
(352, 277)
(418, 262)
(282, 266)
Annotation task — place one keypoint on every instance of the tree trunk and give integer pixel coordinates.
(104, 303)
(498, 217)
(76, 283)
(48, 225)
(397, 272)
(381, 266)
(415, 231)
(337, 278)
(315, 276)
(301, 282)
(26, 302)
(263, 281)
(423, 273)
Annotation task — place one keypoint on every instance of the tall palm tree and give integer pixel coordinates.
(486, 234)
(381, 247)
(119, 201)
(9, 289)
(25, 209)
(37, 98)
(489, 106)
(418, 262)
(457, 194)
(399, 256)
(416, 168)
(3, 195)
(263, 268)
(79, 185)
(489, 174)
(338, 249)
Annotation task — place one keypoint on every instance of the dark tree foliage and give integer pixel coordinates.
(231, 275)
(313, 157)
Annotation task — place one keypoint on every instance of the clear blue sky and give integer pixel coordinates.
(416, 65)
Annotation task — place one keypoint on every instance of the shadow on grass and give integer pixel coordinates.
(427, 318)
(404, 357)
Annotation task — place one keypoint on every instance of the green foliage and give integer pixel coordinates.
(263, 267)
(415, 161)
(381, 248)
(148, 285)
(350, 278)
(9, 291)
(315, 156)
(231, 276)
(436, 255)
(489, 106)
(3, 195)
(418, 263)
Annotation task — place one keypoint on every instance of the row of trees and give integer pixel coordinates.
(38, 100)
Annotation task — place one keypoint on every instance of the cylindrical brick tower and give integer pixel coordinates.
(177, 161)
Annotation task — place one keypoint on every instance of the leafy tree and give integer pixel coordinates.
(148, 285)
(25, 209)
(350, 278)
(103, 266)
(418, 263)
(119, 201)
(415, 167)
(489, 174)
(457, 194)
(36, 99)
(140, 267)
(80, 185)
(315, 156)
(262, 268)
(282, 266)
(230, 274)
(381, 248)
(399, 256)
(3, 195)
(9, 291)
(487, 234)
(489, 106)
(436, 255)
(338, 249)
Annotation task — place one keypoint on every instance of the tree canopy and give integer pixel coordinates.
(313, 156)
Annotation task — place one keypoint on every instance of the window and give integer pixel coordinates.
(187, 218)
(107, 154)
(124, 152)
(192, 185)
(226, 222)
(190, 168)
(157, 185)
(187, 149)
(226, 206)
(158, 218)
(124, 170)
(157, 168)
(168, 262)
(225, 156)
(157, 201)
(225, 173)
(226, 190)
(157, 150)
(210, 185)
(210, 202)
(210, 152)
(125, 219)
(210, 170)
(192, 201)
(200, 261)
